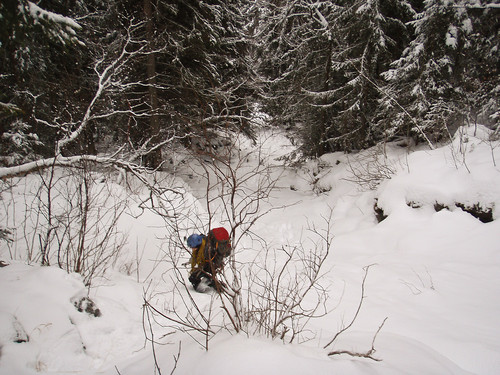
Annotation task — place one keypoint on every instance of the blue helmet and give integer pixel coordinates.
(194, 240)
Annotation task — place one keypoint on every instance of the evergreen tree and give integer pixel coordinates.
(205, 69)
(193, 76)
(481, 65)
(170, 69)
(184, 69)
(426, 84)
(295, 61)
(326, 57)
(366, 35)
(39, 50)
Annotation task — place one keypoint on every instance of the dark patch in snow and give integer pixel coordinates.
(413, 204)
(321, 189)
(379, 213)
(85, 304)
(5, 234)
(20, 333)
(485, 215)
(439, 207)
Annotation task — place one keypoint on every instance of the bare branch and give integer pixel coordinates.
(176, 358)
(105, 77)
(361, 299)
(67, 161)
(368, 354)
(147, 319)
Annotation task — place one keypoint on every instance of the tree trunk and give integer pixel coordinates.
(154, 158)
(323, 148)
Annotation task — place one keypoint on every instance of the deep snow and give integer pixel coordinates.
(434, 275)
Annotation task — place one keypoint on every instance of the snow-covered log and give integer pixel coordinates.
(65, 161)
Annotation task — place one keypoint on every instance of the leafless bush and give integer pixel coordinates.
(69, 218)
(6, 232)
(285, 290)
(180, 312)
(235, 196)
(280, 293)
(370, 169)
(89, 242)
(176, 309)
(276, 295)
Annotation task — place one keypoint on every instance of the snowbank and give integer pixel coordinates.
(434, 275)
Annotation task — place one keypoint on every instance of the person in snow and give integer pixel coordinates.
(206, 261)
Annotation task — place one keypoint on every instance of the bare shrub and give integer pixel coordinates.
(285, 290)
(69, 219)
(277, 294)
(369, 169)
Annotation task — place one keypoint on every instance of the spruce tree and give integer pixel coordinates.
(425, 97)
(481, 66)
(40, 55)
(296, 47)
(194, 77)
(322, 62)
(366, 36)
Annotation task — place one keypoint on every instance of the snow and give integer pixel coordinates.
(452, 37)
(36, 13)
(63, 29)
(467, 26)
(433, 274)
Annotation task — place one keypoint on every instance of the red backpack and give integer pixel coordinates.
(219, 241)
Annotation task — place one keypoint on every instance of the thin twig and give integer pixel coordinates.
(368, 354)
(146, 311)
(357, 311)
(176, 358)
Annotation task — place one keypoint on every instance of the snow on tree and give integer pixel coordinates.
(38, 55)
(18, 144)
(364, 46)
(190, 78)
(482, 76)
(54, 25)
(322, 60)
(428, 78)
(295, 61)
(144, 77)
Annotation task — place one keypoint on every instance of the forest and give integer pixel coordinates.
(133, 77)
(350, 149)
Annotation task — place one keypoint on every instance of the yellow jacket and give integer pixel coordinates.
(198, 256)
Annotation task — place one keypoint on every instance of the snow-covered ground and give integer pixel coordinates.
(434, 274)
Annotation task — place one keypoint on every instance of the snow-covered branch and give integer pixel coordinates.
(70, 161)
(9, 108)
(478, 6)
(105, 80)
(62, 28)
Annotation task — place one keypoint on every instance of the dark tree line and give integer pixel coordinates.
(346, 74)
(140, 73)
(78, 76)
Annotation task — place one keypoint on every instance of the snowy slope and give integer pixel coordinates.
(433, 274)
